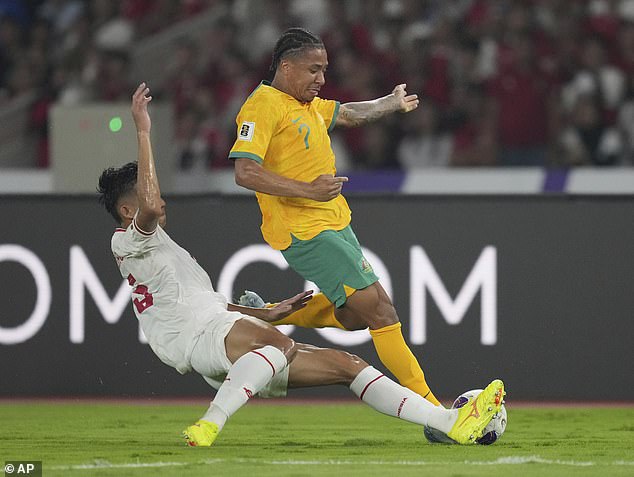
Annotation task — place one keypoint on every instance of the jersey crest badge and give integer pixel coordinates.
(246, 131)
(365, 266)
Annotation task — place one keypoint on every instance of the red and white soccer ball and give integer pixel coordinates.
(492, 432)
(494, 429)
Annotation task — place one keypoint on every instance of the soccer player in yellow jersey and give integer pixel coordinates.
(283, 153)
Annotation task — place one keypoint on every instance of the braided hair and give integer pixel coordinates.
(114, 183)
(293, 42)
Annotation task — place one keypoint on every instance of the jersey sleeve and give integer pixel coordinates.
(257, 121)
(329, 110)
(133, 241)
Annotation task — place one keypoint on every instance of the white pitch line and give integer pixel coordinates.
(510, 460)
(133, 465)
(533, 459)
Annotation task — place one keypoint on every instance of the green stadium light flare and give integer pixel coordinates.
(115, 124)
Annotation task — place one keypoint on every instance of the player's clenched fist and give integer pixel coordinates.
(326, 187)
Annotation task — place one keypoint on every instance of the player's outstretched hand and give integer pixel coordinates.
(404, 102)
(288, 306)
(326, 187)
(140, 100)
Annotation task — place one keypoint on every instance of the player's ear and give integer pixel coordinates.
(285, 66)
(127, 210)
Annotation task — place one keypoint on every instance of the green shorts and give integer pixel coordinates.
(331, 260)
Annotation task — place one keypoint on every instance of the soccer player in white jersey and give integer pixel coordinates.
(191, 327)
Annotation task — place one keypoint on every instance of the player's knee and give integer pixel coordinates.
(381, 320)
(350, 320)
(270, 336)
(384, 314)
(349, 366)
(286, 345)
(355, 325)
(370, 307)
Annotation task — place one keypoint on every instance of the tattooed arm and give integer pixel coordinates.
(357, 114)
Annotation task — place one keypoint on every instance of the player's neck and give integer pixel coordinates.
(279, 84)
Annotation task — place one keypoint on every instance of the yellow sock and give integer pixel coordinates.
(398, 358)
(318, 313)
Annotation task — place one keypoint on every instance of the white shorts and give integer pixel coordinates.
(209, 356)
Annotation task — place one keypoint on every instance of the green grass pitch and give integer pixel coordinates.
(108, 439)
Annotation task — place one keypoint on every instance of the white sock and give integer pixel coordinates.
(248, 375)
(384, 395)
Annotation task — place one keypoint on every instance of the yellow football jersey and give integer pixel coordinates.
(290, 138)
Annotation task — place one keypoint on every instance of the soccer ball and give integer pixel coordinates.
(492, 432)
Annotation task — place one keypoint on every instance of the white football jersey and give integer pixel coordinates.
(172, 296)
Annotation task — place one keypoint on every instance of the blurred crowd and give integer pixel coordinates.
(502, 83)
